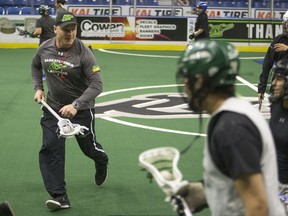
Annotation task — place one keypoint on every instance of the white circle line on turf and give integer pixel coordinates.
(161, 86)
(158, 86)
(136, 88)
(151, 128)
(160, 56)
(134, 54)
(145, 126)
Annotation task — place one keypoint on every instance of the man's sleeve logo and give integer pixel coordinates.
(95, 68)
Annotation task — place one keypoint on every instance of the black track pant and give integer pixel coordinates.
(52, 153)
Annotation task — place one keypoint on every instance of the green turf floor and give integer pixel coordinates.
(127, 190)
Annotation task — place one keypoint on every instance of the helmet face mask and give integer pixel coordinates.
(215, 62)
(189, 95)
(44, 10)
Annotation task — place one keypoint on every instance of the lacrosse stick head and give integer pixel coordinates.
(22, 32)
(67, 129)
(162, 164)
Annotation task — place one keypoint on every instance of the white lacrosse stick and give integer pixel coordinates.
(66, 128)
(162, 163)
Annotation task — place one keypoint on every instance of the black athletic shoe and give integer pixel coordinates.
(61, 202)
(101, 173)
(5, 209)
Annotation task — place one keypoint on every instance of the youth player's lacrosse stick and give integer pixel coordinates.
(25, 33)
(66, 128)
(22, 32)
(260, 103)
(162, 163)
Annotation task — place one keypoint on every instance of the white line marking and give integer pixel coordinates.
(150, 103)
(133, 54)
(135, 88)
(161, 56)
(151, 128)
(141, 88)
(250, 85)
(245, 82)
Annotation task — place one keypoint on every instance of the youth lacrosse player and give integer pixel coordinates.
(44, 25)
(279, 123)
(73, 81)
(240, 171)
(201, 25)
(277, 51)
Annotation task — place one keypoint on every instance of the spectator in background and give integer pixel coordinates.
(182, 2)
(277, 51)
(44, 25)
(59, 5)
(201, 25)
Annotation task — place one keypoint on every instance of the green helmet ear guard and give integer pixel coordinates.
(216, 61)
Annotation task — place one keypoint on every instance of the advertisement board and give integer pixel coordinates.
(151, 25)
(244, 30)
(131, 28)
(177, 11)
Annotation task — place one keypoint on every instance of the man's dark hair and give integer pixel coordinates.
(61, 2)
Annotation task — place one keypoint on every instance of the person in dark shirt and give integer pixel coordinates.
(73, 82)
(44, 25)
(279, 123)
(201, 25)
(277, 51)
(239, 161)
(59, 6)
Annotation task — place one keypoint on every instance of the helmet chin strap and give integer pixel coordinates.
(198, 96)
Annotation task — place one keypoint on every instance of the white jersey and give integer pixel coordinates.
(221, 194)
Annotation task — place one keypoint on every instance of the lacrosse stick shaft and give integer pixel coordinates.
(260, 104)
(186, 209)
(51, 110)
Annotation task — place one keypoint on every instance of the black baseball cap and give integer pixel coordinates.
(65, 18)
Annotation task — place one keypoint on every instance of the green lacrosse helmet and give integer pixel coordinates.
(216, 61)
